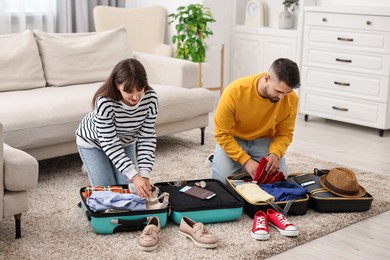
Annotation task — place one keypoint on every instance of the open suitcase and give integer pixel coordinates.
(112, 222)
(323, 201)
(224, 206)
(296, 207)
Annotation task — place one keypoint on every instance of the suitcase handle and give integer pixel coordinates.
(286, 208)
(128, 225)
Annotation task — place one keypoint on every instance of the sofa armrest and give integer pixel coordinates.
(169, 71)
(20, 169)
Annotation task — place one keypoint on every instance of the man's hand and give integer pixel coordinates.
(251, 167)
(272, 166)
(142, 186)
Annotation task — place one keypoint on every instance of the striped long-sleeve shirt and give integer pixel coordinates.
(113, 125)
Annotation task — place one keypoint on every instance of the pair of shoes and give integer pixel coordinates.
(209, 161)
(160, 202)
(148, 240)
(197, 232)
(276, 219)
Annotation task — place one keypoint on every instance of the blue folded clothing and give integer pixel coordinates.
(284, 191)
(102, 200)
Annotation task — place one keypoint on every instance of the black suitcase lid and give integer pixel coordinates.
(180, 201)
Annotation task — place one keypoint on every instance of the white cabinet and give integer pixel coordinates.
(346, 65)
(254, 49)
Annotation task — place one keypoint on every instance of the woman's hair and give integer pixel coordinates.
(129, 72)
(286, 71)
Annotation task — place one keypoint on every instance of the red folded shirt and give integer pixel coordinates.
(262, 177)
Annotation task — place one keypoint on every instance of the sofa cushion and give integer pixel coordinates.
(75, 58)
(177, 104)
(20, 170)
(48, 115)
(20, 64)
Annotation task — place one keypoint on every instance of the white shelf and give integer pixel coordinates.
(266, 31)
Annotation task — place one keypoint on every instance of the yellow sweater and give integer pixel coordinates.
(243, 113)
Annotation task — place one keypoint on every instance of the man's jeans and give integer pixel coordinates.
(224, 166)
(100, 169)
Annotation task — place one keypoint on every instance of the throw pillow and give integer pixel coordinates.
(75, 58)
(20, 64)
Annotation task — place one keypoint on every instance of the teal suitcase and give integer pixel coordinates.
(224, 206)
(109, 223)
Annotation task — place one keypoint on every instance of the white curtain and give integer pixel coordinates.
(63, 16)
(19, 15)
(77, 15)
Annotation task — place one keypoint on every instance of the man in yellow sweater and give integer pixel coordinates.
(255, 118)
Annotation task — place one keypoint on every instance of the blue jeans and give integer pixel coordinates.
(224, 166)
(100, 169)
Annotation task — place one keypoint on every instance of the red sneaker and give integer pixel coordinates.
(280, 222)
(260, 226)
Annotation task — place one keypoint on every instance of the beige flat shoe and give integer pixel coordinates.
(160, 202)
(197, 232)
(148, 240)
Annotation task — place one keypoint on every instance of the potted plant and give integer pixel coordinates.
(291, 4)
(191, 32)
(286, 17)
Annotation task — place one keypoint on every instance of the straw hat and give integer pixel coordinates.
(342, 182)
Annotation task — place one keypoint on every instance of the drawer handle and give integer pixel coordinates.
(343, 60)
(342, 84)
(368, 22)
(340, 108)
(324, 19)
(345, 39)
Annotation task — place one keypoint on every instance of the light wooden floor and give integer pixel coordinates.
(358, 147)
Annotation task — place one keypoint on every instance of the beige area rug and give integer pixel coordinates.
(55, 228)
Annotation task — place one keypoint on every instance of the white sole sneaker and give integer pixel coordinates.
(287, 233)
(257, 236)
(209, 161)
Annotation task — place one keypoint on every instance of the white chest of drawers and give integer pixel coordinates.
(346, 66)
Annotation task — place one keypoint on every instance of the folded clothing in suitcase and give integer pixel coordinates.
(291, 207)
(323, 201)
(223, 206)
(112, 221)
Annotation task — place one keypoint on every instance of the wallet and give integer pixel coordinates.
(262, 177)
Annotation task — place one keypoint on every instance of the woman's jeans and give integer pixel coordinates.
(224, 166)
(100, 169)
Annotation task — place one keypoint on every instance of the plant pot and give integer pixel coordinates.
(286, 19)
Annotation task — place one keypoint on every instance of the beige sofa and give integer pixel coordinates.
(18, 174)
(47, 82)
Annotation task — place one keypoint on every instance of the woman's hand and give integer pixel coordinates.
(142, 186)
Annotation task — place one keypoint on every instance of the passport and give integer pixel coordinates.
(197, 192)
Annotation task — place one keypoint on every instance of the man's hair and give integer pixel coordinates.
(286, 71)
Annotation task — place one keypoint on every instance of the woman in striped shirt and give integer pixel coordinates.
(117, 139)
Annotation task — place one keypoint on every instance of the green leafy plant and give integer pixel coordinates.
(191, 31)
(291, 4)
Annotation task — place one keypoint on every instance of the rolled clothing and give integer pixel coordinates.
(103, 200)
